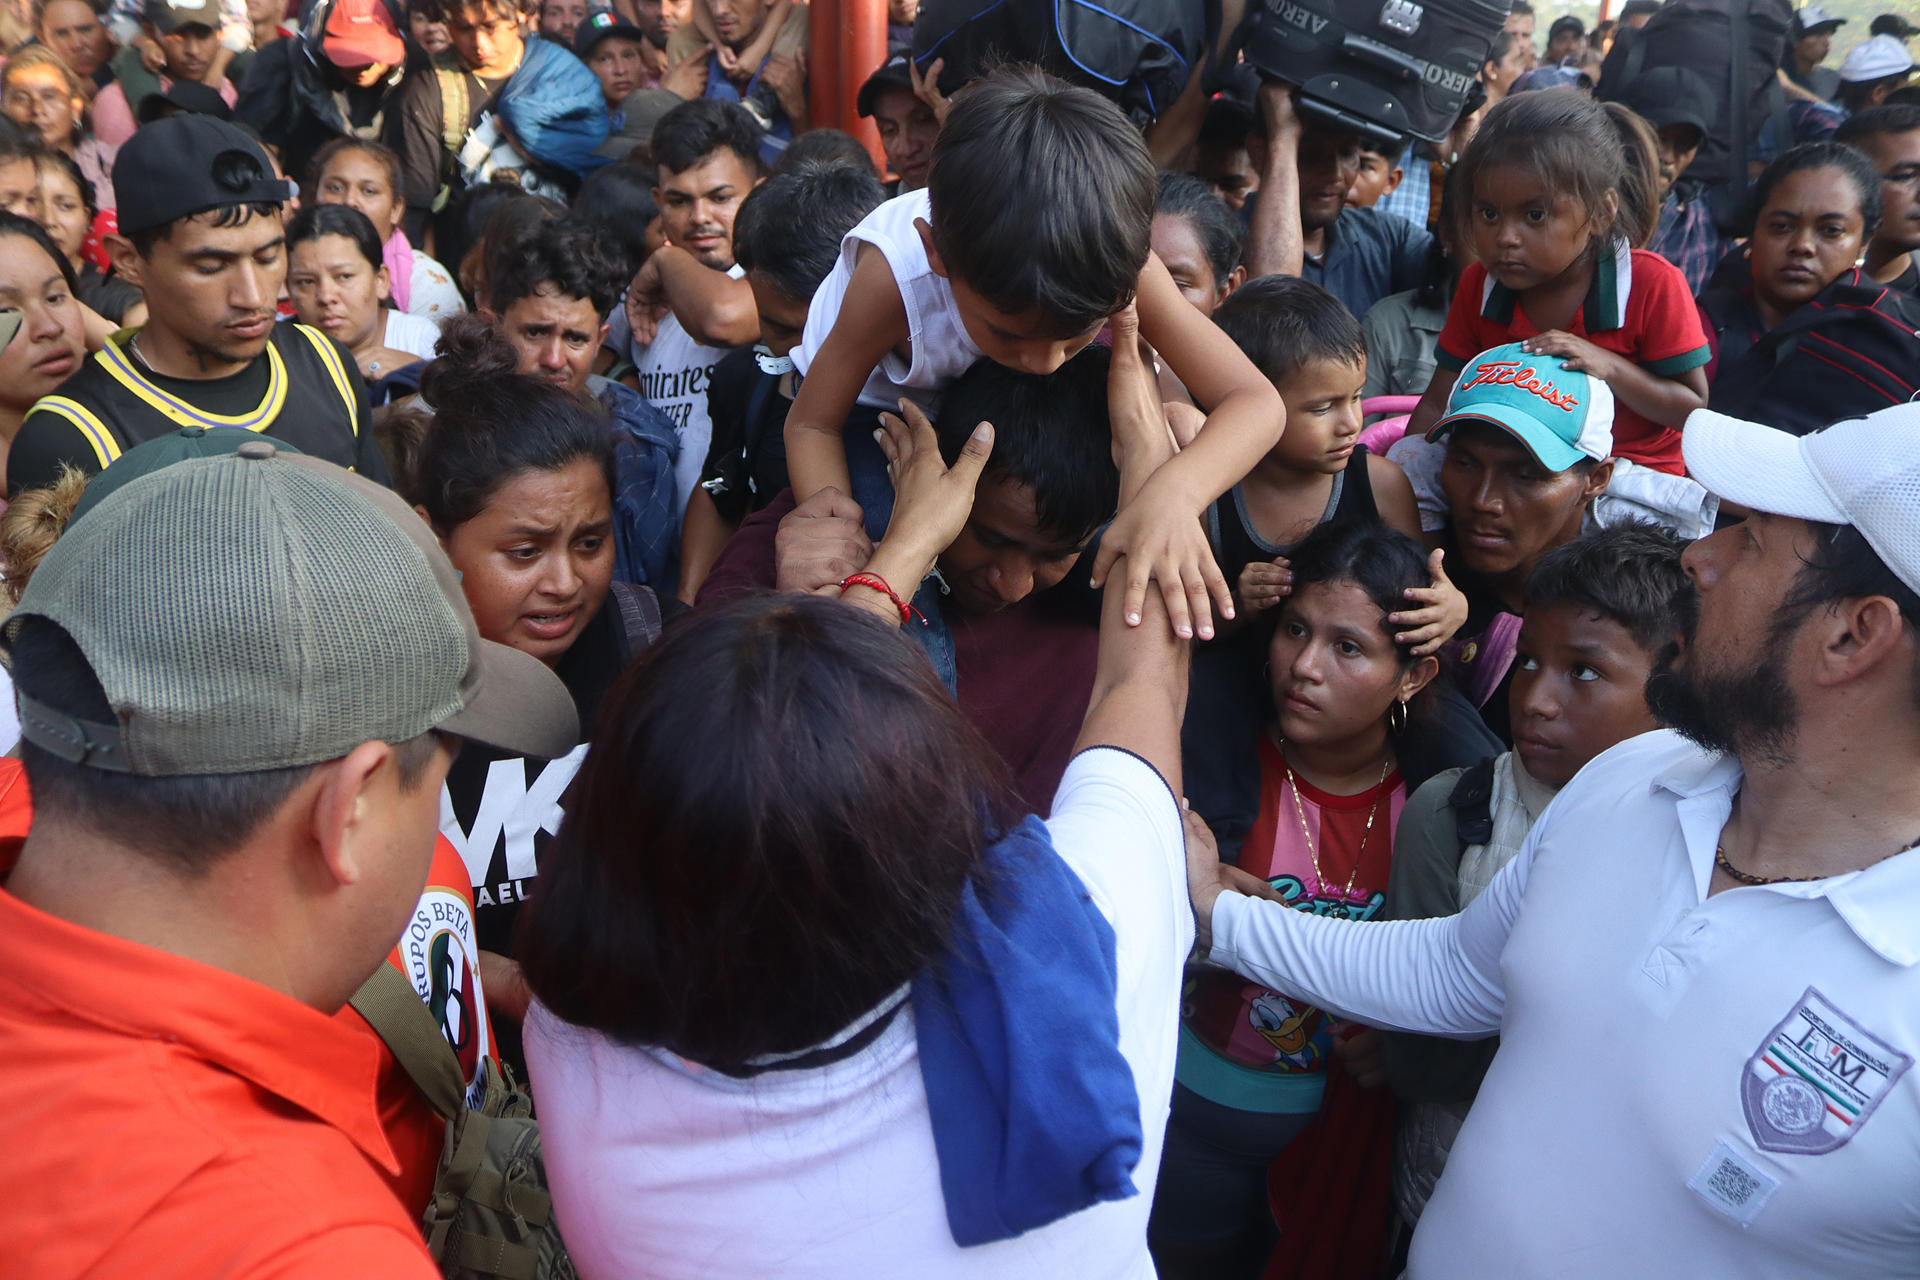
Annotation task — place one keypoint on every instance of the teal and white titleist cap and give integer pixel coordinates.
(1562, 415)
(265, 610)
(1864, 472)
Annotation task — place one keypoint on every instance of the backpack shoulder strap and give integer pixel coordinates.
(1472, 804)
(455, 104)
(399, 1017)
(639, 615)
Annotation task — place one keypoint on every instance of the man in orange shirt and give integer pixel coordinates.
(241, 680)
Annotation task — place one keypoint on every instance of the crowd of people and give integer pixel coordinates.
(1248, 697)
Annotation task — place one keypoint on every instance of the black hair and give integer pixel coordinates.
(826, 147)
(1809, 156)
(1051, 433)
(187, 821)
(1214, 225)
(1565, 139)
(1895, 117)
(1857, 95)
(1844, 566)
(561, 252)
(461, 227)
(695, 130)
(437, 10)
(492, 423)
(1227, 123)
(1634, 8)
(1640, 175)
(12, 224)
(1283, 323)
(1070, 220)
(1521, 6)
(1627, 573)
(1377, 558)
(53, 159)
(779, 786)
(617, 202)
(1500, 47)
(789, 228)
(387, 157)
(316, 220)
(16, 144)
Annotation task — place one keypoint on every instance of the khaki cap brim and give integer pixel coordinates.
(517, 705)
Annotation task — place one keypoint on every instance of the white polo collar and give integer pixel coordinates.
(1878, 904)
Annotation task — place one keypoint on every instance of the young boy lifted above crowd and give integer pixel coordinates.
(1032, 233)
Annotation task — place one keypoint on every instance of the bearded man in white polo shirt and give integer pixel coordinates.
(1704, 966)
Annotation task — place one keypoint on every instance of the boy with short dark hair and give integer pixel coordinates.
(1380, 173)
(786, 238)
(1599, 611)
(1033, 232)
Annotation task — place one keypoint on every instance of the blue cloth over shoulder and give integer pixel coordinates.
(556, 109)
(1035, 1115)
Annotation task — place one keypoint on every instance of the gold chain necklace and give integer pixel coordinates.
(1318, 889)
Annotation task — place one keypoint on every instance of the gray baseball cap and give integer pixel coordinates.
(266, 610)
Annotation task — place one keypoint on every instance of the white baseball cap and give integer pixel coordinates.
(1875, 58)
(1863, 472)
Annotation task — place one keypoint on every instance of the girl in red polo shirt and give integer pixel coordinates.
(1550, 222)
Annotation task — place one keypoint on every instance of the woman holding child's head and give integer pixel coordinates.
(339, 285)
(515, 476)
(365, 175)
(38, 300)
(1254, 1064)
(794, 898)
(1554, 200)
(1198, 239)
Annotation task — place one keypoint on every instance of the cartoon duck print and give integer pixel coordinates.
(1285, 1026)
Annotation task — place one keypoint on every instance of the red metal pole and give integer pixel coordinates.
(863, 47)
(823, 63)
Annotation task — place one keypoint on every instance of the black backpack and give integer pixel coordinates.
(1382, 70)
(1852, 350)
(1701, 36)
(1140, 53)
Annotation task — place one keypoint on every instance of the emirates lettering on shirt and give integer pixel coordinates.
(1511, 373)
(675, 391)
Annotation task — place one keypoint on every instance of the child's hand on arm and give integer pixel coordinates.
(1265, 583)
(871, 322)
(1665, 400)
(1442, 611)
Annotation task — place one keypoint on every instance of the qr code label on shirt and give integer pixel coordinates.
(1733, 1184)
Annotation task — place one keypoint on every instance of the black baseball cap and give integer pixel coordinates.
(602, 24)
(1672, 95)
(185, 95)
(187, 164)
(168, 16)
(892, 74)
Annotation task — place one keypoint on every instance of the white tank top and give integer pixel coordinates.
(941, 350)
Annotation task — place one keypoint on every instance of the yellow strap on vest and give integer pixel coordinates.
(336, 370)
(105, 447)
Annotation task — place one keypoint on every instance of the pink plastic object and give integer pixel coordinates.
(1381, 436)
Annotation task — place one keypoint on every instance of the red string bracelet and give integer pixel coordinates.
(874, 582)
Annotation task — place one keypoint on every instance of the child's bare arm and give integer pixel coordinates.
(1433, 402)
(1665, 400)
(1393, 495)
(872, 321)
(761, 46)
(1159, 531)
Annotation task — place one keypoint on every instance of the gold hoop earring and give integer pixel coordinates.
(1397, 723)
